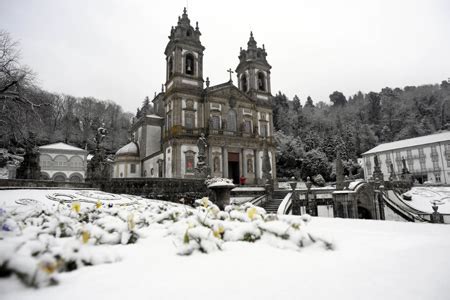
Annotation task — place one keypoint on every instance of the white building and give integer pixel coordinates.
(427, 158)
(63, 162)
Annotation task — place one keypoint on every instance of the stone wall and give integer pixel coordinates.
(156, 188)
(30, 183)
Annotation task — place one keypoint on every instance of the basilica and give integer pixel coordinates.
(236, 121)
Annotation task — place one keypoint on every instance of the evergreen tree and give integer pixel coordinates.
(338, 99)
(296, 103)
(315, 162)
(309, 102)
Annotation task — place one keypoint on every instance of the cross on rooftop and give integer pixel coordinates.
(230, 71)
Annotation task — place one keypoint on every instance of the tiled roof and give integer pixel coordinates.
(423, 140)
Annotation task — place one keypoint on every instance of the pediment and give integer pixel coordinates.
(228, 91)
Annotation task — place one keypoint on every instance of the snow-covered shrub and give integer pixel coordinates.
(218, 181)
(206, 228)
(38, 243)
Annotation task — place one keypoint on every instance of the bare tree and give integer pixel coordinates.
(17, 106)
(14, 77)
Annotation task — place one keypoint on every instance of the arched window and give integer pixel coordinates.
(231, 120)
(188, 33)
(170, 67)
(75, 178)
(59, 177)
(244, 85)
(189, 64)
(261, 82)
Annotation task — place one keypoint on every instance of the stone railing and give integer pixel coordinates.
(30, 183)
(156, 188)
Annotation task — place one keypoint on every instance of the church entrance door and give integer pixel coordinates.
(233, 167)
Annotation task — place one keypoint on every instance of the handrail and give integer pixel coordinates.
(285, 204)
(258, 200)
(403, 211)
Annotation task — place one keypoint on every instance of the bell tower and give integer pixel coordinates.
(184, 56)
(253, 71)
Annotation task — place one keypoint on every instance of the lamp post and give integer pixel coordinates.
(308, 187)
(296, 209)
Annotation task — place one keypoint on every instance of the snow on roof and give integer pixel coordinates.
(129, 149)
(61, 146)
(154, 116)
(423, 140)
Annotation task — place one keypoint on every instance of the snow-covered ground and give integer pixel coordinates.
(423, 196)
(370, 260)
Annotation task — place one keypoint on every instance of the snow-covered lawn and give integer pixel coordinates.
(423, 196)
(369, 260)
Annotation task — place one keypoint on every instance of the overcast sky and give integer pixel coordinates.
(114, 50)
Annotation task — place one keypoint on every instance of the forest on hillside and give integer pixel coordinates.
(309, 135)
(27, 111)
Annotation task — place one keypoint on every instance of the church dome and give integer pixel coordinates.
(130, 149)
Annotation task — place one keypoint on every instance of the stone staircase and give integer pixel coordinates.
(272, 206)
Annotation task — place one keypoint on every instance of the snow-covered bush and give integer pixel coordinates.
(37, 243)
(218, 181)
(207, 228)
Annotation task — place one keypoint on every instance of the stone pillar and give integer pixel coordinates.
(345, 207)
(243, 172)
(377, 207)
(256, 159)
(225, 162)
(176, 161)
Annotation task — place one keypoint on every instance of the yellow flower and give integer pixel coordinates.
(130, 222)
(85, 236)
(98, 204)
(251, 213)
(218, 232)
(76, 206)
(186, 238)
(48, 267)
(205, 201)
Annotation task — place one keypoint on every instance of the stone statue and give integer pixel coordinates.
(202, 169)
(405, 169)
(101, 133)
(250, 165)
(30, 168)
(202, 144)
(98, 167)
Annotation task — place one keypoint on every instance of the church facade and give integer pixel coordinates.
(236, 120)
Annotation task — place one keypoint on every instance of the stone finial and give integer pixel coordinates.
(207, 82)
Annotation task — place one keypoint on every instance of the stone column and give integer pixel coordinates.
(345, 206)
(243, 173)
(225, 162)
(256, 159)
(176, 159)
